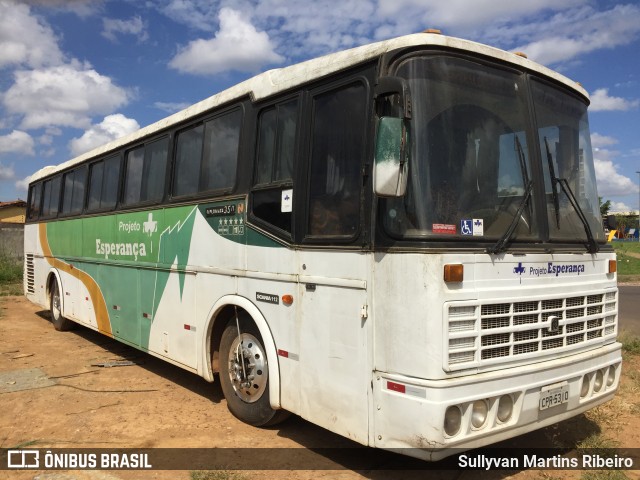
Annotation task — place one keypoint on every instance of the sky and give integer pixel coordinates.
(75, 74)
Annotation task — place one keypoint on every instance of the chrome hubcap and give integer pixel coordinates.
(56, 304)
(248, 367)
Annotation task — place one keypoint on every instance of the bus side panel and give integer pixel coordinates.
(36, 267)
(276, 265)
(335, 366)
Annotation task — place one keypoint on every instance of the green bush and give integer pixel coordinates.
(10, 270)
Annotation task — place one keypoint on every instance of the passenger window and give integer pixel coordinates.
(145, 173)
(222, 139)
(103, 185)
(155, 169)
(73, 196)
(188, 157)
(133, 176)
(51, 197)
(273, 192)
(35, 196)
(337, 147)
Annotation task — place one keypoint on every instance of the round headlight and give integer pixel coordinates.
(584, 391)
(599, 381)
(479, 413)
(452, 420)
(611, 378)
(505, 408)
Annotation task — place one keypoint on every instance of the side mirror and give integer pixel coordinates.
(612, 222)
(391, 158)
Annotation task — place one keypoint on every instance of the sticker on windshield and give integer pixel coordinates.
(443, 228)
(472, 226)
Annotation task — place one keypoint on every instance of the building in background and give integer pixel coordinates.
(13, 212)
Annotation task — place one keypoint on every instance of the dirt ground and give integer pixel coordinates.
(154, 404)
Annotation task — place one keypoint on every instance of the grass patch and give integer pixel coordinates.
(604, 475)
(630, 343)
(10, 270)
(628, 258)
(11, 289)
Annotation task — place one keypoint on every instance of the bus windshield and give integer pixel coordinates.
(472, 158)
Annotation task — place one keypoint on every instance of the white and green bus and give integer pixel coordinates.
(400, 243)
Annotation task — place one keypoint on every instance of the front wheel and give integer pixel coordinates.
(55, 307)
(244, 374)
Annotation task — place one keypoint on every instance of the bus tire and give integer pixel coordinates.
(244, 374)
(60, 323)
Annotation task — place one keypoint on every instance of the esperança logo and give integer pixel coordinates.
(550, 269)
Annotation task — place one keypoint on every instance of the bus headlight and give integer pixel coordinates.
(584, 391)
(452, 420)
(505, 408)
(598, 382)
(611, 378)
(479, 412)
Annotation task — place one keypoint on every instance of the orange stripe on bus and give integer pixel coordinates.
(99, 305)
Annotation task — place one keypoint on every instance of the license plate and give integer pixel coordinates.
(554, 395)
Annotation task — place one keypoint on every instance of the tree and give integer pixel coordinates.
(604, 207)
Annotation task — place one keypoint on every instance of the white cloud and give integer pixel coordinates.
(577, 31)
(7, 172)
(549, 31)
(237, 46)
(619, 207)
(135, 26)
(459, 14)
(601, 101)
(111, 128)
(24, 40)
(17, 142)
(610, 182)
(198, 14)
(23, 185)
(66, 96)
(599, 141)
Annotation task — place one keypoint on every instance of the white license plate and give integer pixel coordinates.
(554, 395)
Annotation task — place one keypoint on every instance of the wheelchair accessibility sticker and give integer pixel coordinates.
(472, 226)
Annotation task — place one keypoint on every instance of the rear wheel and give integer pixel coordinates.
(55, 306)
(244, 374)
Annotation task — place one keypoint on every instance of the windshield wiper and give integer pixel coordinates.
(501, 244)
(554, 181)
(524, 172)
(592, 245)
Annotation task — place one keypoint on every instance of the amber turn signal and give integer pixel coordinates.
(453, 273)
(613, 266)
(287, 299)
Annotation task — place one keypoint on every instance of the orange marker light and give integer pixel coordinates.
(613, 266)
(287, 299)
(453, 273)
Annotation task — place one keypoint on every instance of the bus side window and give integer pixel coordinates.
(273, 180)
(103, 184)
(221, 143)
(35, 197)
(188, 157)
(146, 168)
(51, 197)
(337, 147)
(72, 190)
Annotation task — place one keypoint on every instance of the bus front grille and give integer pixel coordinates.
(480, 334)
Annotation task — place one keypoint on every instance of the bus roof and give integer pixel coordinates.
(278, 80)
